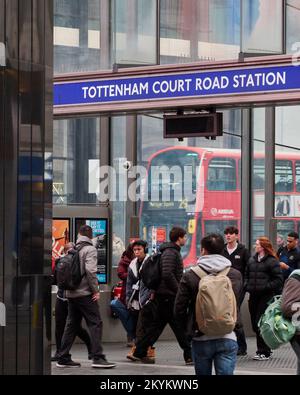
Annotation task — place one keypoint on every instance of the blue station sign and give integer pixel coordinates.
(180, 85)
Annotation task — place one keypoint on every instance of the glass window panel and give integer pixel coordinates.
(134, 32)
(221, 175)
(76, 161)
(205, 30)
(258, 175)
(118, 153)
(76, 36)
(292, 24)
(262, 26)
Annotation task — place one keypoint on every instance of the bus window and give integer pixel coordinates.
(285, 227)
(217, 226)
(298, 176)
(259, 174)
(283, 176)
(221, 175)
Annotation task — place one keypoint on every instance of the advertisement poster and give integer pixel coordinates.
(60, 237)
(99, 227)
(159, 236)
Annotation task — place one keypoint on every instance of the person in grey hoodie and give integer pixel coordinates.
(83, 302)
(220, 350)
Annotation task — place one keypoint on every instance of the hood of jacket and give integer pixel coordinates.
(213, 263)
(164, 246)
(83, 239)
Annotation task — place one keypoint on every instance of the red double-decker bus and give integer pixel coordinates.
(199, 189)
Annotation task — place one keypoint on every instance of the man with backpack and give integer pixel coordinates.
(61, 305)
(206, 308)
(159, 311)
(83, 302)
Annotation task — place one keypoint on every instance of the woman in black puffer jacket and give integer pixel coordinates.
(263, 280)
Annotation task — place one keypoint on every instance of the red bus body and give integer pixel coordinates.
(218, 196)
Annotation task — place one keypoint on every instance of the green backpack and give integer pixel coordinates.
(274, 328)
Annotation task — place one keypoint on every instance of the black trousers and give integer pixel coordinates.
(61, 314)
(89, 310)
(154, 317)
(239, 330)
(257, 306)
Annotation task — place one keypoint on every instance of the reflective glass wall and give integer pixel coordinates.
(287, 172)
(292, 26)
(205, 30)
(95, 34)
(134, 30)
(25, 186)
(76, 161)
(76, 35)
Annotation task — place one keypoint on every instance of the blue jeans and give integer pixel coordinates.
(128, 320)
(221, 352)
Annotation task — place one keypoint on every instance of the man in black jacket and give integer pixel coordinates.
(238, 255)
(221, 350)
(162, 306)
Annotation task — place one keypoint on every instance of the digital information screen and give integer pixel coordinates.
(100, 229)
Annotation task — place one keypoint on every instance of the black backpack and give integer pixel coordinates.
(150, 272)
(67, 271)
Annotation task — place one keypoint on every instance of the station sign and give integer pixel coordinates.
(203, 84)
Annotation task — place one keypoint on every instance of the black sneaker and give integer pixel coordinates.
(68, 364)
(148, 360)
(189, 362)
(102, 363)
(241, 353)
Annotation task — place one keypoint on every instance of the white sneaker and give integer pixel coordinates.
(260, 357)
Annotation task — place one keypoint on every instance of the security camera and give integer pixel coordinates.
(127, 165)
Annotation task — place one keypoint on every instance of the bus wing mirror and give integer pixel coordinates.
(192, 226)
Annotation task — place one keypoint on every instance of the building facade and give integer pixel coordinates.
(251, 179)
(26, 72)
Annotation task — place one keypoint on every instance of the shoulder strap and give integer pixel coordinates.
(85, 244)
(199, 272)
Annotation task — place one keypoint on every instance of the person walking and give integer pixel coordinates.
(220, 350)
(290, 304)
(119, 306)
(159, 310)
(238, 255)
(83, 302)
(61, 312)
(263, 280)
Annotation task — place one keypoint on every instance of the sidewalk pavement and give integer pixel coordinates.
(169, 361)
